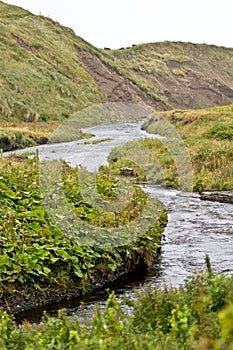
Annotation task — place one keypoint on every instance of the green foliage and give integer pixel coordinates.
(151, 162)
(196, 316)
(226, 328)
(35, 255)
(10, 140)
(221, 132)
(43, 76)
(155, 67)
(40, 67)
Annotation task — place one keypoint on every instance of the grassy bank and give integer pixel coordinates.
(197, 316)
(207, 135)
(42, 77)
(38, 262)
(15, 135)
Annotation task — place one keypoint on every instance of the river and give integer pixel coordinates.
(195, 227)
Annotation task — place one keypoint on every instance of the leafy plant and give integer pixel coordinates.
(221, 132)
(35, 254)
(163, 319)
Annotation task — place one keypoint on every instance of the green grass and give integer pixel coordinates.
(41, 75)
(18, 134)
(21, 135)
(43, 79)
(150, 67)
(150, 160)
(207, 137)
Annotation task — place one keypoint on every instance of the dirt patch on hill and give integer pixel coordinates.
(182, 75)
(114, 85)
(186, 84)
(191, 88)
(22, 43)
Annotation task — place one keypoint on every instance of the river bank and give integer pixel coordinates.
(91, 155)
(39, 264)
(18, 134)
(25, 300)
(196, 316)
(207, 135)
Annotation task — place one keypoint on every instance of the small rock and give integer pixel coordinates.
(126, 171)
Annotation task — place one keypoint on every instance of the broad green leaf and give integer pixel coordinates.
(78, 272)
(46, 270)
(4, 260)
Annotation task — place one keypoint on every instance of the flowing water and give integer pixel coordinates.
(195, 227)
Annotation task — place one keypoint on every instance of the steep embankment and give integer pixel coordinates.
(181, 75)
(41, 75)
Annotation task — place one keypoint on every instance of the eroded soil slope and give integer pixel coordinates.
(181, 75)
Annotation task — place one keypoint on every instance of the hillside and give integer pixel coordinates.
(181, 75)
(41, 74)
(47, 72)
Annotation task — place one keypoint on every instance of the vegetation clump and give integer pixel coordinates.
(198, 315)
(35, 256)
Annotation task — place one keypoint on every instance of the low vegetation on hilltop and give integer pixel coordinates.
(179, 75)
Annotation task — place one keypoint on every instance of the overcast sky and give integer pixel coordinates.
(121, 23)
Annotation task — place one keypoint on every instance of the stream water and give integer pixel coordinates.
(195, 227)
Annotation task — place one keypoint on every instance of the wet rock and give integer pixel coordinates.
(5, 144)
(126, 171)
(218, 196)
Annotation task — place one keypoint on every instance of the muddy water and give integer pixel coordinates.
(195, 227)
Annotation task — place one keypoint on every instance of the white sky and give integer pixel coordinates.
(121, 23)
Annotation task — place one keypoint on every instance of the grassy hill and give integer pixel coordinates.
(181, 75)
(41, 74)
(49, 72)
